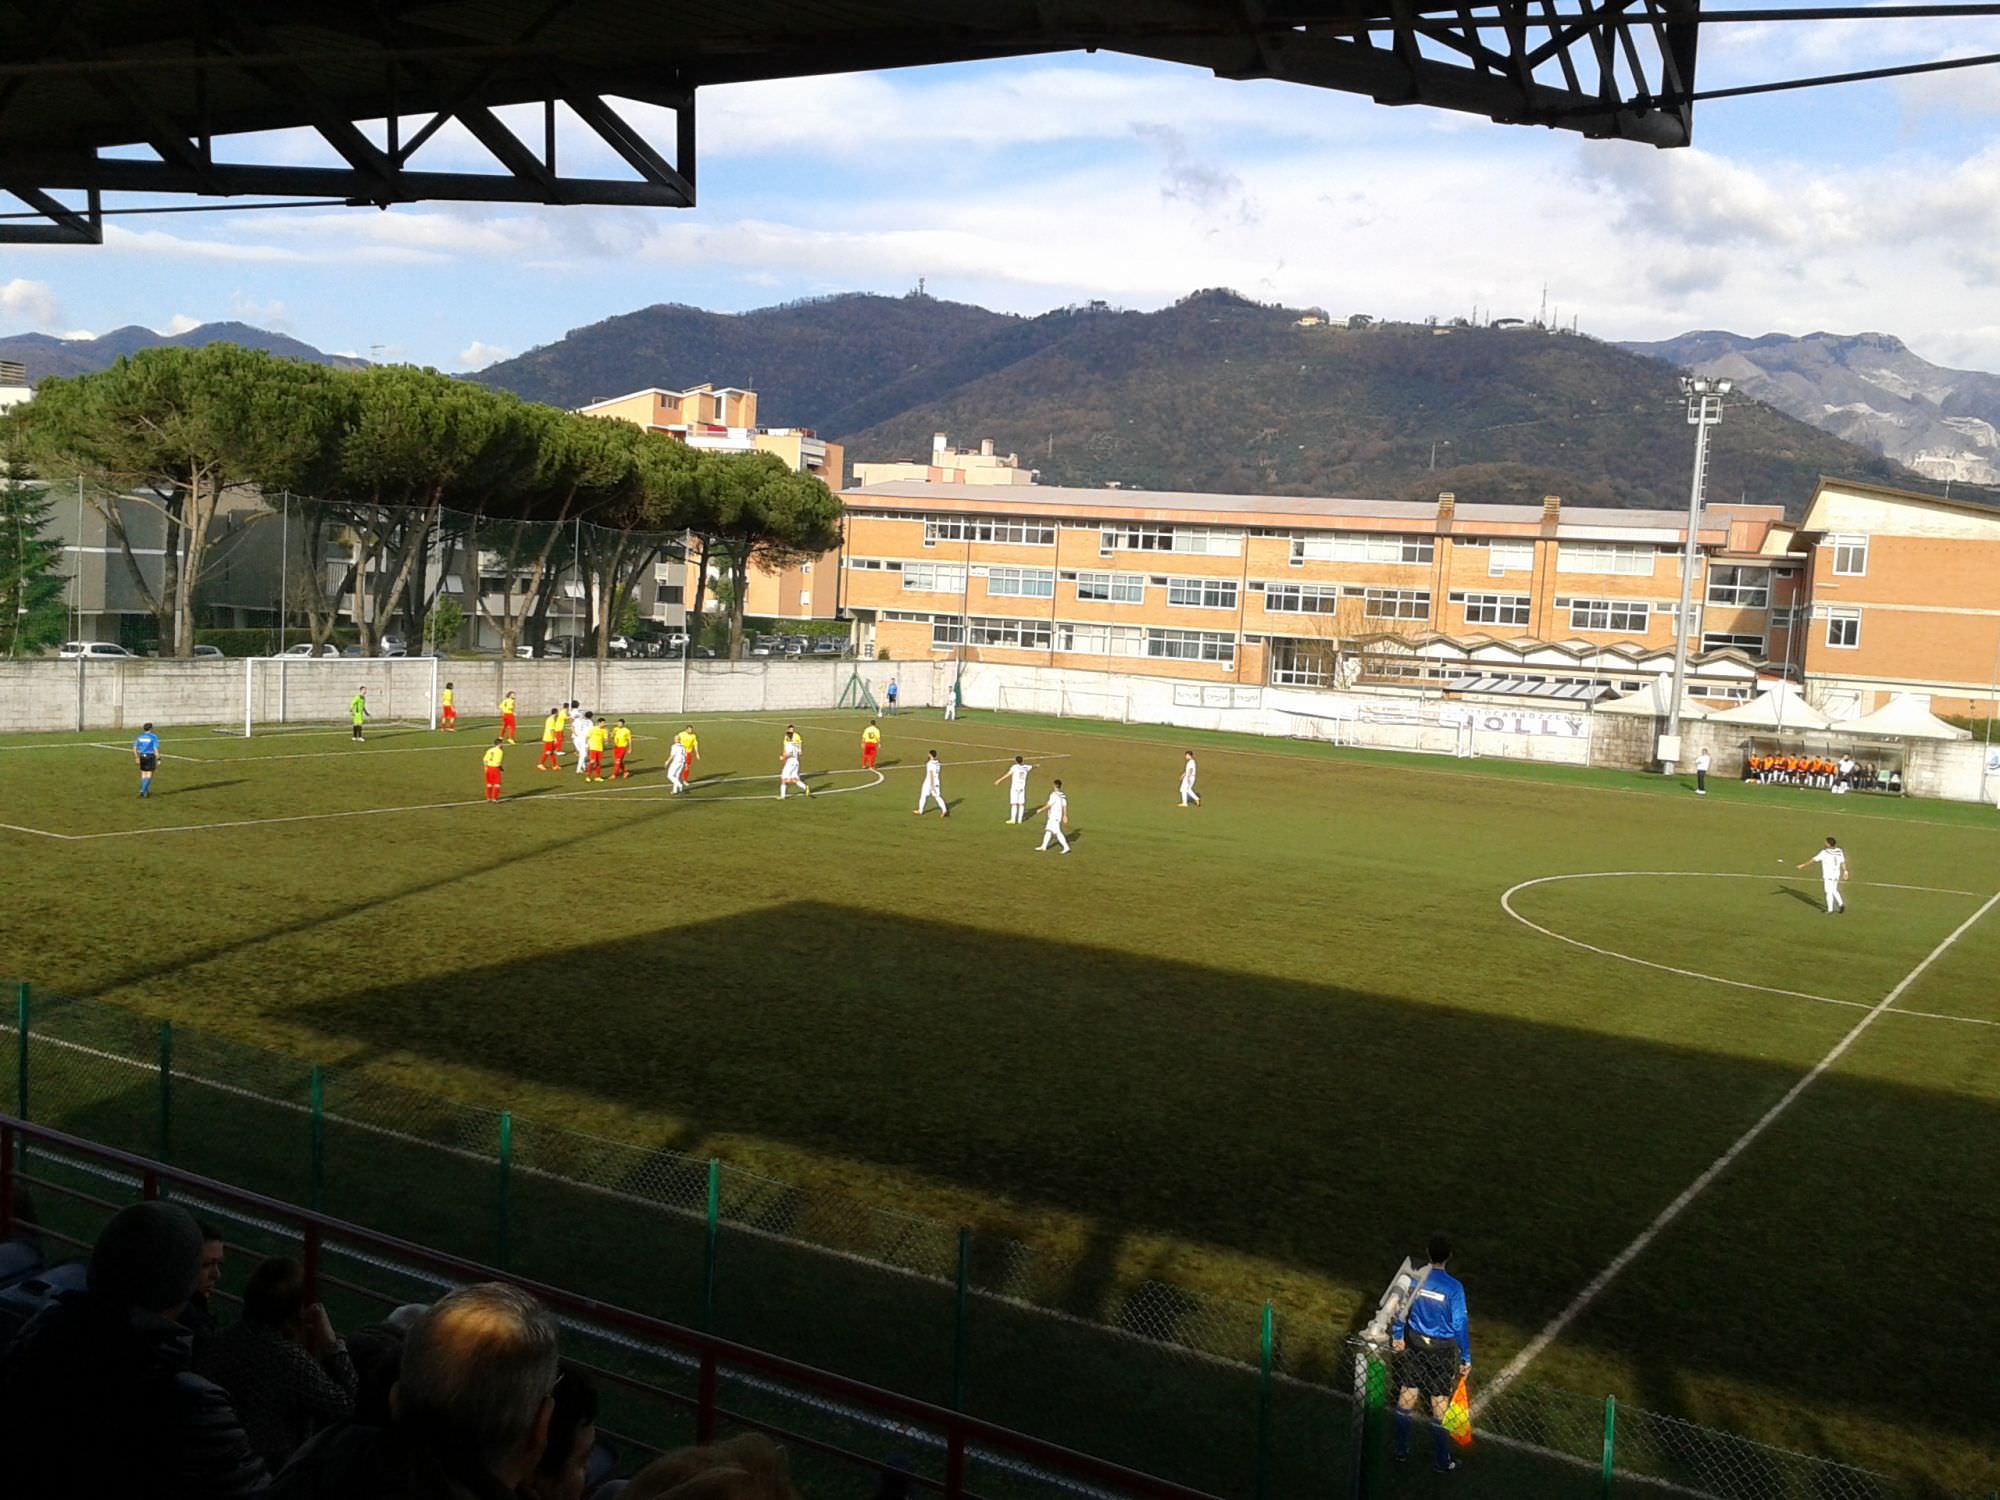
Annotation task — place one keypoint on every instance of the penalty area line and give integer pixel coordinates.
(1561, 1321)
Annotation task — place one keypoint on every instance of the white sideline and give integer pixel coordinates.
(1507, 905)
(1534, 1347)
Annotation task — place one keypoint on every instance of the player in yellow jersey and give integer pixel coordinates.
(593, 744)
(495, 754)
(552, 729)
(621, 745)
(690, 752)
(871, 743)
(447, 715)
(507, 718)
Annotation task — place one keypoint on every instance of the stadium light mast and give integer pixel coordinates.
(1704, 410)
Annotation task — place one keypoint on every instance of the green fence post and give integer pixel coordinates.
(21, 1069)
(506, 1178)
(316, 1163)
(961, 1333)
(1266, 1343)
(166, 1090)
(711, 1242)
(1610, 1439)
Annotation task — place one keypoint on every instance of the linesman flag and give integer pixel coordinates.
(1458, 1416)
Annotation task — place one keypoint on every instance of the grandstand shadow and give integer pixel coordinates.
(1313, 1127)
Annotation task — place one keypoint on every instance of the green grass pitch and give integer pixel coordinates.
(1260, 1048)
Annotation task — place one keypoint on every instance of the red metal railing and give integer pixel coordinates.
(712, 1356)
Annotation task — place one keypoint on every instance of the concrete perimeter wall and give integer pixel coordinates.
(116, 697)
(119, 696)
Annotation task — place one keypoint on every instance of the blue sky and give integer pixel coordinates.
(1030, 184)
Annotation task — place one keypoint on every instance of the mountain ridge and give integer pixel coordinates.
(46, 354)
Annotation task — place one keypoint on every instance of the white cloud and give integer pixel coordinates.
(76, 333)
(478, 355)
(30, 302)
(268, 314)
(179, 323)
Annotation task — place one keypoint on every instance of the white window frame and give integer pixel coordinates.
(1849, 547)
(1289, 667)
(1734, 586)
(1620, 559)
(1168, 643)
(1095, 638)
(1300, 598)
(1843, 617)
(1497, 609)
(1714, 640)
(1006, 582)
(1381, 547)
(934, 578)
(1618, 616)
(1509, 555)
(1116, 588)
(1208, 593)
(1009, 633)
(1396, 604)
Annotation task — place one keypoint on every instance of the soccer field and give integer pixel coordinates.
(1701, 1144)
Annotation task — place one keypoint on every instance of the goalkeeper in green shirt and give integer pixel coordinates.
(359, 709)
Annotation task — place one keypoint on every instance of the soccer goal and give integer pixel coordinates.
(1016, 698)
(1116, 707)
(1319, 727)
(282, 693)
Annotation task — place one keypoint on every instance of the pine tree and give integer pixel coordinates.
(32, 613)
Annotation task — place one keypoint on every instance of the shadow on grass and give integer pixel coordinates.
(1311, 1126)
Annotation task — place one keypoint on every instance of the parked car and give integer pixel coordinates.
(208, 653)
(307, 648)
(95, 650)
(352, 651)
(827, 645)
(395, 645)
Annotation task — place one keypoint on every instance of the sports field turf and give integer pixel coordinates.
(1260, 1048)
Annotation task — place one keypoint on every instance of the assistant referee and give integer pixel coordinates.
(1433, 1351)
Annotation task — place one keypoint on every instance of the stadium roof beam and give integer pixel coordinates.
(133, 96)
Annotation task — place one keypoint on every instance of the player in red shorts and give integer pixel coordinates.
(871, 742)
(449, 711)
(493, 757)
(621, 743)
(507, 718)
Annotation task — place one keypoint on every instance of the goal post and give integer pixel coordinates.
(291, 693)
(1019, 698)
(1115, 707)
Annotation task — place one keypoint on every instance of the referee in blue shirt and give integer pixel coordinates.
(146, 755)
(1434, 1348)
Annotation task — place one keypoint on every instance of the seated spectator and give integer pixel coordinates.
(200, 1318)
(470, 1412)
(377, 1352)
(286, 1371)
(747, 1467)
(102, 1380)
(564, 1472)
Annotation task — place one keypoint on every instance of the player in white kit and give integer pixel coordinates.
(1832, 862)
(788, 772)
(1016, 776)
(677, 767)
(579, 731)
(1057, 807)
(1188, 796)
(933, 788)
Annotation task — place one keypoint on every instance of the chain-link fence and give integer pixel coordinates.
(1232, 1398)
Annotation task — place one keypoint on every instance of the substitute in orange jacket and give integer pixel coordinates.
(495, 754)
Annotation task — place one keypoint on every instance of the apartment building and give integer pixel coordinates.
(1310, 592)
(949, 465)
(725, 421)
(1905, 593)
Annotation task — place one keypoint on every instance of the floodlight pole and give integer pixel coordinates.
(1704, 410)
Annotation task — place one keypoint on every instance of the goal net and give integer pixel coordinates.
(1319, 727)
(295, 693)
(1018, 699)
(1086, 705)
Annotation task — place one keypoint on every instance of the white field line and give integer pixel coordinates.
(1507, 905)
(1716, 1168)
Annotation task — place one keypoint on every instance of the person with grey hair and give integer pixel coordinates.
(101, 1378)
(469, 1414)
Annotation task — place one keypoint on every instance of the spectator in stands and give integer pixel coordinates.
(101, 1379)
(564, 1472)
(748, 1467)
(200, 1317)
(470, 1411)
(286, 1371)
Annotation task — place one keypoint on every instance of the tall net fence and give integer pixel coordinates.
(1231, 1398)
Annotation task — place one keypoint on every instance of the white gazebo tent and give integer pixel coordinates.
(1777, 707)
(1902, 718)
(1651, 701)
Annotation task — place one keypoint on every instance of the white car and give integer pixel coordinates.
(307, 648)
(208, 653)
(95, 650)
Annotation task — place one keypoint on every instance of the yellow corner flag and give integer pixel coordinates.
(1458, 1416)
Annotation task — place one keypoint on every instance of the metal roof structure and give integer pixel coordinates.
(133, 95)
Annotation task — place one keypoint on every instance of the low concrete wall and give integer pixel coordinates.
(117, 696)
